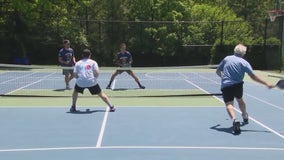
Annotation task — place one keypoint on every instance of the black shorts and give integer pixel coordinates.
(96, 89)
(230, 92)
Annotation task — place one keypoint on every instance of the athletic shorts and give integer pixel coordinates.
(121, 71)
(96, 89)
(67, 72)
(231, 92)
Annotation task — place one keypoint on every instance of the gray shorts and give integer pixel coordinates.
(121, 71)
(67, 72)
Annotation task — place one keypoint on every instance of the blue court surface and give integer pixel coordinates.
(138, 133)
(143, 132)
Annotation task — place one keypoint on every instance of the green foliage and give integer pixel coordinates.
(101, 25)
(211, 19)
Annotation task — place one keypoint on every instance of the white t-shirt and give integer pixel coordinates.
(85, 70)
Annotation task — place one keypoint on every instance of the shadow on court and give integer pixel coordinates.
(229, 130)
(86, 111)
(124, 89)
(60, 90)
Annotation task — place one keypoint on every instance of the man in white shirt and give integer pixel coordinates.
(86, 72)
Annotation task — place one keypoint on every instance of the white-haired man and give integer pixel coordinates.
(232, 70)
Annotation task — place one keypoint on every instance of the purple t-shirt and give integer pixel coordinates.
(66, 55)
(124, 59)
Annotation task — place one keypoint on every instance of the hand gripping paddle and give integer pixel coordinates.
(280, 84)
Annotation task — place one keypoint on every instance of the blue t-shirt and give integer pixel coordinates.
(66, 55)
(233, 69)
(124, 59)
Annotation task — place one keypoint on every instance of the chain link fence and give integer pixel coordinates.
(152, 43)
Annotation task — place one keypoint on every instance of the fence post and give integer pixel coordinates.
(222, 32)
(282, 42)
(265, 42)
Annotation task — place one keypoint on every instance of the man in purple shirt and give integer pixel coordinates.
(66, 58)
(124, 60)
(232, 70)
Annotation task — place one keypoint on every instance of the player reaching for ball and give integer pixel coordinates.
(124, 60)
(232, 70)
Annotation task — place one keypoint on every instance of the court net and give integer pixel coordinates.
(48, 81)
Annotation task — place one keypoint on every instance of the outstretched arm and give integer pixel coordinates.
(259, 80)
(218, 72)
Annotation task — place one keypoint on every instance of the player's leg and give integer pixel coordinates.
(71, 75)
(76, 90)
(131, 73)
(242, 106)
(241, 103)
(66, 78)
(112, 78)
(97, 90)
(105, 98)
(230, 110)
(228, 97)
(74, 100)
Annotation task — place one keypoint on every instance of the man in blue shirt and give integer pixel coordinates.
(124, 60)
(232, 70)
(66, 58)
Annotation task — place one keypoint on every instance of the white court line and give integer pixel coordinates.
(263, 101)
(195, 85)
(18, 77)
(102, 130)
(143, 147)
(31, 83)
(166, 78)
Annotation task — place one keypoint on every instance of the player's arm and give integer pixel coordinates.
(220, 68)
(259, 80)
(120, 64)
(117, 60)
(130, 60)
(75, 75)
(249, 71)
(96, 73)
(218, 72)
(61, 61)
(74, 60)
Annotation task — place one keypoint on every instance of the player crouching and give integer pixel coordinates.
(86, 72)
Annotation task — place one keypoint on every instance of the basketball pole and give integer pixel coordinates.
(282, 42)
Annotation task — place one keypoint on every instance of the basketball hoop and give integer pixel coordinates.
(274, 13)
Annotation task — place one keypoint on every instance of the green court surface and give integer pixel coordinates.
(96, 101)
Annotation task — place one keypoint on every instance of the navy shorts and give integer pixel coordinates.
(96, 89)
(231, 92)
